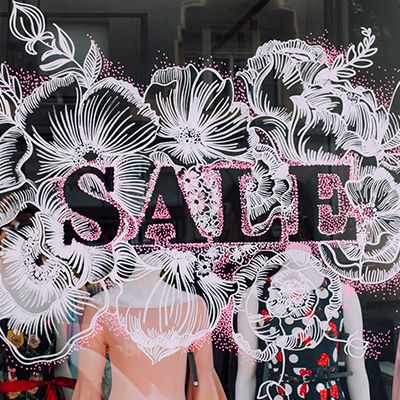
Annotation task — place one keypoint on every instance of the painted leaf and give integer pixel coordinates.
(93, 62)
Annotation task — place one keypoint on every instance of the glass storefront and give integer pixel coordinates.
(198, 185)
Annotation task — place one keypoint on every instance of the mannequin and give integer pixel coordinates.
(145, 308)
(357, 382)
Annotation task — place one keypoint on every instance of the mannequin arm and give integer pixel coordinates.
(245, 387)
(353, 323)
(91, 362)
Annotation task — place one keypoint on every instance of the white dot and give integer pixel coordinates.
(289, 320)
(325, 325)
(320, 387)
(335, 355)
(297, 331)
(293, 358)
(288, 389)
(323, 294)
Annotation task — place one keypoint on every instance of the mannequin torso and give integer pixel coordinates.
(349, 313)
(143, 332)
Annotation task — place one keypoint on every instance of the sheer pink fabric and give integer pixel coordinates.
(134, 375)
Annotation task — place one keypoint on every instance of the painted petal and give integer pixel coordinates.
(37, 294)
(11, 203)
(131, 177)
(211, 97)
(15, 149)
(115, 119)
(169, 94)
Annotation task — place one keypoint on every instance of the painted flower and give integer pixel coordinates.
(200, 122)
(33, 341)
(377, 199)
(279, 285)
(190, 179)
(190, 300)
(236, 254)
(367, 263)
(372, 130)
(317, 98)
(196, 202)
(42, 279)
(278, 60)
(106, 126)
(267, 191)
(204, 268)
(38, 287)
(15, 338)
(354, 117)
(291, 295)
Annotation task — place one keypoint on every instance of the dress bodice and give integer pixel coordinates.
(310, 373)
(137, 372)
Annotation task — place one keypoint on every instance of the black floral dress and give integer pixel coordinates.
(311, 374)
(11, 370)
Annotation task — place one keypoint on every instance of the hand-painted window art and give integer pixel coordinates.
(81, 142)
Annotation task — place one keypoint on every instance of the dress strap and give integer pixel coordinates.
(192, 365)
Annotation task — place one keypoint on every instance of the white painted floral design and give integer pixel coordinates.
(39, 287)
(277, 60)
(16, 190)
(181, 315)
(200, 121)
(202, 193)
(290, 295)
(267, 191)
(377, 198)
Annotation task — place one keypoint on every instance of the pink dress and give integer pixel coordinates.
(134, 375)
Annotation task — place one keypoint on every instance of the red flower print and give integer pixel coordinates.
(333, 328)
(265, 315)
(323, 361)
(334, 391)
(303, 390)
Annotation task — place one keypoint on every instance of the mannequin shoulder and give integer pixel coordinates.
(101, 298)
(349, 294)
(351, 302)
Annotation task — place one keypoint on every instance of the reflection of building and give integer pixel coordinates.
(132, 31)
(128, 31)
(230, 31)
